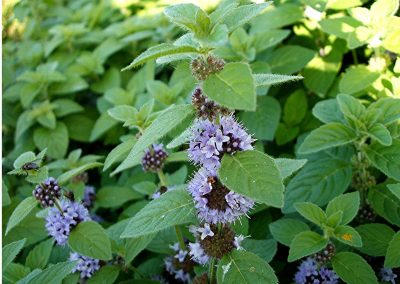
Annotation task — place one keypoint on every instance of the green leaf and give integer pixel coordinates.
(24, 122)
(353, 269)
(376, 238)
(21, 211)
(133, 246)
(389, 107)
(65, 107)
(266, 39)
(114, 196)
(264, 121)
(290, 59)
(14, 273)
(54, 274)
(55, 140)
(395, 189)
(318, 182)
(348, 235)
(304, 244)
(311, 212)
(10, 251)
(27, 278)
(124, 113)
(334, 219)
(385, 158)
(164, 123)
(385, 204)
(241, 15)
(328, 111)
(273, 79)
(232, 87)
(284, 230)
(244, 267)
(90, 239)
(253, 174)
(392, 258)
(119, 153)
(277, 16)
(381, 134)
(189, 17)
(357, 78)
(288, 166)
(172, 208)
(266, 249)
(180, 139)
(39, 255)
(65, 177)
(159, 51)
(350, 106)
(74, 83)
(295, 108)
(24, 158)
(347, 203)
(327, 136)
(106, 275)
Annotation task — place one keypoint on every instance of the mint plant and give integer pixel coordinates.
(231, 142)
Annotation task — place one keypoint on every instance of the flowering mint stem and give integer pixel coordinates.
(212, 271)
(163, 182)
(58, 207)
(162, 177)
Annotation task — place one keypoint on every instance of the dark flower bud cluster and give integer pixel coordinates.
(89, 196)
(180, 266)
(202, 68)
(87, 266)
(325, 255)
(310, 273)
(213, 242)
(59, 224)
(365, 214)
(205, 107)
(362, 181)
(47, 192)
(154, 158)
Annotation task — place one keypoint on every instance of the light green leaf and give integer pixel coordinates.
(164, 123)
(10, 251)
(54, 274)
(350, 106)
(385, 204)
(233, 87)
(106, 275)
(353, 269)
(269, 38)
(264, 121)
(266, 249)
(395, 189)
(39, 255)
(55, 140)
(290, 59)
(284, 230)
(90, 239)
(311, 212)
(65, 177)
(180, 139)
(172, 208)
(189, 17)
(385, 158)
(392, 258)
(242, 14)
(119, 153)
(318, 182)
(304, 244)
(288, 166)
(389, 107)
(381, 134)
(273, 79)
(133, 246)
(327, 136)
(277, 16)
(21, 211)
(347, 203)
(253, 174)
(65, 107)
(244, 267)
(348, 235)
(159, 51)
(376, 238)
(328, 111)
(357, 78)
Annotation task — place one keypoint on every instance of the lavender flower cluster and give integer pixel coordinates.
(180, 265)
(87, 266)
(309, 272)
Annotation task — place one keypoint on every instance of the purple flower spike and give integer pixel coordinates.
(214, 202)
(60, 225)
(388, 276)
(210, 141)
(87, 266)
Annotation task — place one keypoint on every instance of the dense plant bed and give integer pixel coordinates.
(236, 142)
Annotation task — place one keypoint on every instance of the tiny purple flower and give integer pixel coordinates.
(60, 225)
(310, 273)
(87, 266)
(205, 231)
(388, 276)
